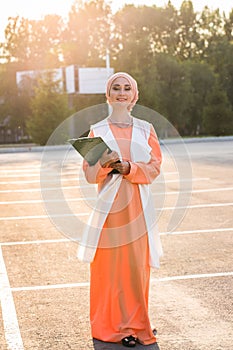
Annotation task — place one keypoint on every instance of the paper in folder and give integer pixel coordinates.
(90, 148)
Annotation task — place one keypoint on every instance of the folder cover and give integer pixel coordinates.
(90, 148)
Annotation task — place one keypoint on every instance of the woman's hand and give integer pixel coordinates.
(122, 167)
(108, 159)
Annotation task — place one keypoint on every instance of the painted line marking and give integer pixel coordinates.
(59, 173)
(60, 179)
(46, 241)
(196, 276)
(66, 240)
(38, 175)
(153, 280)
(227, 229)
(22, 168)
(47, 189)
(87, 186)
(197, 206)
(34, 201)
(195, 191)
(9, 316)
(41, 216)
(33, 171)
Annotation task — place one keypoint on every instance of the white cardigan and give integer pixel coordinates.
(140, 152)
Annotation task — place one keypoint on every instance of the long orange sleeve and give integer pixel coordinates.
(140, 173)
(145, 173)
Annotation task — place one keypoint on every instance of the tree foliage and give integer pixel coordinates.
(49, 107)
(218, 114)
(85, 38)
(182, 61)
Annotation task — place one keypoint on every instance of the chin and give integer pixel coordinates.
(120, 104)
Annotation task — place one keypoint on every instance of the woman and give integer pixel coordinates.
(121, 241)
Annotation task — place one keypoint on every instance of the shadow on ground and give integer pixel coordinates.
(99, 345)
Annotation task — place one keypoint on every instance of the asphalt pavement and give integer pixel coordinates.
(45, 289)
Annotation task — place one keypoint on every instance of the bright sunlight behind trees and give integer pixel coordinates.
(181, 59)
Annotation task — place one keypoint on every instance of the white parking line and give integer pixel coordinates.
(197, 206)
(227, 229)
(65, 240)
(60, 179)
(22, 168)
(50, 286)
(194, 191)
(86, 186)
(28, 217)
(29, 170)
(9, 316)
(36, 201)
(50, 174)
(188, 277)
(74, 170)
(46, 189)
(153, 280)
(46, 241)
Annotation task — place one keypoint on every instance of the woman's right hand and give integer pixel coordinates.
(108, 158)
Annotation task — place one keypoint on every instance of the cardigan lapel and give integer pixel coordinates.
(139, 152)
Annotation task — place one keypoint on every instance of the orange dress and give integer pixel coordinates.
(120, 271)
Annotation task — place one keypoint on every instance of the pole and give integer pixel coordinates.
(108, 75)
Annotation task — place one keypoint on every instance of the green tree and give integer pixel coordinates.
(175, 55)
(33, 44)
(202, 79)
(187, 32)
(211, 30)
(49, 108)
(220, 60)
(228, 26)
(218, 114)
(172, 91)
(134, 37)
(16, 40)
(12, 104)
(86, 37)
(165, 34)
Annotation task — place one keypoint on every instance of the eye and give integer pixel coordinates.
(115, 88)
(127, 88)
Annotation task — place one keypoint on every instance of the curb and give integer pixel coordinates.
(33, 149)
(197, 139)
(19, 149)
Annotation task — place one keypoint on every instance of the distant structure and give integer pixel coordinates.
(72, 79)
(11, 133)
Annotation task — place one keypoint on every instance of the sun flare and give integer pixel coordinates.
(38, 9)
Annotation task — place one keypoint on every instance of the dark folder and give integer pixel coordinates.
(90, 148)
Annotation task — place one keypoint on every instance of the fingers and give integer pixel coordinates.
(108, 158)
(122, 167)
(114, 156)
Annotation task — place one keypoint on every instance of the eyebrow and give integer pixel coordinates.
(120, 85)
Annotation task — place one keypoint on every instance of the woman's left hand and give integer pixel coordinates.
(122, 167)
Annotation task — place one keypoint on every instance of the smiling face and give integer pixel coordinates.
(121, 91)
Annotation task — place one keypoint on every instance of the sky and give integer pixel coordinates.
(33, 9)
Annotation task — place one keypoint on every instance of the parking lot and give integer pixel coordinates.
(45, 289)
